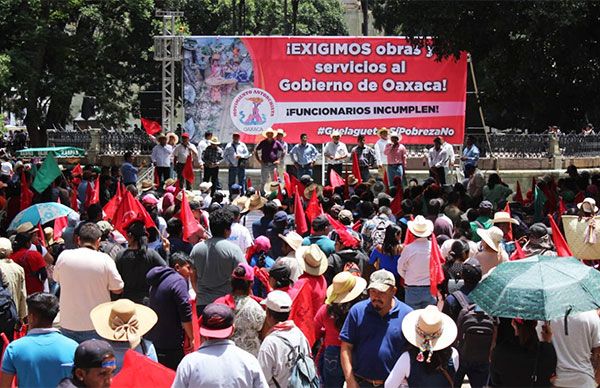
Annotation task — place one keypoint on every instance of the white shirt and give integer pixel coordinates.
(450, 151)
(202, 145)
(573, 352)
(161, 156)
(413, 264)
(338, 150)
(379, 148)
(447, 246)
(85, 277)
(180, 153)
(438, 158)
(240, 236)
(219, 363)
(401, 372)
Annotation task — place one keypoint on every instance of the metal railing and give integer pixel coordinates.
(111, 142)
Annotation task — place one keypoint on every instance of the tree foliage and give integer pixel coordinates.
(537, 62)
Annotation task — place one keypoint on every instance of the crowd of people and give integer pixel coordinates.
(363, 282)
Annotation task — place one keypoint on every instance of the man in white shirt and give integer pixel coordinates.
(180, 155)
(336, 153)
(451, 156)
(286, 148)
(162, 159)
(413, 264)
(86, 278)
(240, 235)
(438, 160)
(236, 155)
(279, 350)
(379, 148)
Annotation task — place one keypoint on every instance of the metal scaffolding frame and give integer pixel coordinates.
(167, 49)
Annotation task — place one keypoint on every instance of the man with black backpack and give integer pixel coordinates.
(9, 319)
(475, 329)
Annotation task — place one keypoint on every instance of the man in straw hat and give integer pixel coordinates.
(39, 358)
(491, 253)
(371, 337)
(379, 148)
(218, 362)
(292, 242)
(313, 263)
(304, 155)
(270, 151)
(212, 156)
(236, 155)
(505, 222)
(396, 157)
(413, 265)
(336, 153)
(162, 158)
(180, 155)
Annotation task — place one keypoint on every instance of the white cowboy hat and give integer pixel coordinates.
(312, 260)
(345, 288)
(396, 135)
(205, 186)
(293, 239)
(492, 237)
(501, 217)
(123, 321)
(429, 329)
(382, 129)
(420, 227)
(335, 134)
(214, 140)
(269, 130)
(588, 205)
(272, 186)
(281, 132)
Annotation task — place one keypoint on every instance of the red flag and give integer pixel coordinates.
(140, 371)
(562, 248)
(533, 183)
(190, 224)
(386, 181)
(73, 197)
(313, 210)
(335, 179)
(26, 193)
(518, 254)
(396, 204)
(294, 182)
(275, 175)
(92, 193)
(41, 235)
(357, 226)
(113, 204)
(287, 183)
(509, 235)
(156, 178)
(59, 225)
(77, 170)
(279, 193)
(150, 126)
(299, 215)
(248, 183)
(356, 167)
(562, 209)
(301, 312)
(335, 224)
(188, 170)
(519, 195)
(195, 328)
(409, 237)
(128, 211)
(436, 273)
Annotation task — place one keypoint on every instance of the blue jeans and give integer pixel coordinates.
(330, 368)
(238, 173)
(304, 171)
(478, 374)
(80, 336)
(418, 297)
(394, 170)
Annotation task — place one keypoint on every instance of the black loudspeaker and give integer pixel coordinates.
(151, 105)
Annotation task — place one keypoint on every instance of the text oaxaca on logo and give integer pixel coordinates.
(253, 110)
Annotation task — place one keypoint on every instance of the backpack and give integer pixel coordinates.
(378, 234)
(9, 319)
(475, 331)
(303, 373)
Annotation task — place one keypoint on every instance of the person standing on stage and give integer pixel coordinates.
(438, 160)
(270, 150)
(212, 156)
(236, 154)
(162, 157)
(202, 145)
(281, 167)
(379, 148)
(180, 154)
(336, 153)
(304, 156)
(396, 157)
(470, 154)
(366, 157)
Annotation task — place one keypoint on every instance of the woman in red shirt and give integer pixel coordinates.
(32, 262)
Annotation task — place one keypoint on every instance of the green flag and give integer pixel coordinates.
(539, 201)
(46, 174)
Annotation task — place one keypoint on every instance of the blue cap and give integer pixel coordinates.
(235, 187)
(280, 216)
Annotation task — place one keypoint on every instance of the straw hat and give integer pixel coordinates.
(123, 321)
(312, 260)
(588, 205)
(255, 202)
(312, 187)
(382, 129)
(272, 186)
(335, 134)
(5, 247)
(352, 180)
(147, 185)
(173, 136)
(345, 288)
(420, 227)
(429, 330)
(188, 194)
(25, 227)
(49, 235)
(281, 132)
(293, 239)
(169, 182)
(268, 130)
(396, 135)
(214, 140)
(240, 201)
(502, 217)
(492, 237)
(205, 186)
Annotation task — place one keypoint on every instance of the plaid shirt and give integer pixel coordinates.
(212, 156)
(366, 156)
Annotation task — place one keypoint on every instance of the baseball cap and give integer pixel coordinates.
(345, 216)
(216, 321)
(486, 205)
(320, 222)
(538, 230)
(471, 271)
(280, 271)
(382, 280)
(149, 199)
(280, 216)
(92, 354)
(235, 188)
(185, 135)
(278, 301)
(105, 226)
(243, 272)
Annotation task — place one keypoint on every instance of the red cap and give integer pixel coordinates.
(185, 135)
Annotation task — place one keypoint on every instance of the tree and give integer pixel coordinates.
(536, 62)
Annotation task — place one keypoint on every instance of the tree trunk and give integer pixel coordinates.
(286, 27)
(234, 25)
(364, 5)
(295, 4)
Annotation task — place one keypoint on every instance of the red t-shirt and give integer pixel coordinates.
(32, 262)
(325, 327)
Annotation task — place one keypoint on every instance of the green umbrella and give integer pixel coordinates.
(539, 288)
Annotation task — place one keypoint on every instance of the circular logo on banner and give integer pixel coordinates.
(252, 111)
